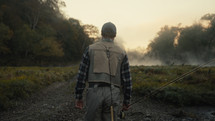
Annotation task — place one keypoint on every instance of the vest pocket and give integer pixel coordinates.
(101, 65)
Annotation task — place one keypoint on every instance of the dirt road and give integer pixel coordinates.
(56, 103)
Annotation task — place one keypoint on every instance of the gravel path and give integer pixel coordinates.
(56, 103)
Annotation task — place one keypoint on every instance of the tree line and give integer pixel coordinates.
(35, 32)
(184, 45)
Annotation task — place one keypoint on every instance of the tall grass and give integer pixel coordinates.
(17, 83)
(195, 89)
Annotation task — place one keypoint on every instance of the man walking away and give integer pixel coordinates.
(105, 67)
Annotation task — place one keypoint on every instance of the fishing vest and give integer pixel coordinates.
(99, 62)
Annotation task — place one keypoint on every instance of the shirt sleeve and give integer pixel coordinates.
(82, 74)
(126, 80)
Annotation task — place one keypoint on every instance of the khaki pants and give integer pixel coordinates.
(98, 101)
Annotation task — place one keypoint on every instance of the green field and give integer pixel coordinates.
(195, 89)
(18, 83)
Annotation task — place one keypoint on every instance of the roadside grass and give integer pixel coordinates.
(17, 83)
(196, 89)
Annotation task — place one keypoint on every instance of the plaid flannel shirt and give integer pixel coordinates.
(83, 77)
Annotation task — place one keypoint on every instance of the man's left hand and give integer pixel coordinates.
(125, 107)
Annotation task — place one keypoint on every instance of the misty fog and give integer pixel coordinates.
(176, 45)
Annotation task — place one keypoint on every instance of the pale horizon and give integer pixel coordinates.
(138, 21)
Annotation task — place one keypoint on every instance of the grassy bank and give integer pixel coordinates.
(17, 83)
(195, 89)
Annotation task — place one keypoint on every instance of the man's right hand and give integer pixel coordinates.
(79, 104)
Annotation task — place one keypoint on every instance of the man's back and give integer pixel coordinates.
(105, 67)
(106, 59)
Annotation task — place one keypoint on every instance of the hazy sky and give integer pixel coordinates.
(138, 21)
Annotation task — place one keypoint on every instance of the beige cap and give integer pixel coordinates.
(109, 30)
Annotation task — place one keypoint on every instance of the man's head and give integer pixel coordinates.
(109, 30)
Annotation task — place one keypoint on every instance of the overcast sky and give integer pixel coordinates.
(138, 21)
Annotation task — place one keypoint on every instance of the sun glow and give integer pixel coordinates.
(138, 21)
